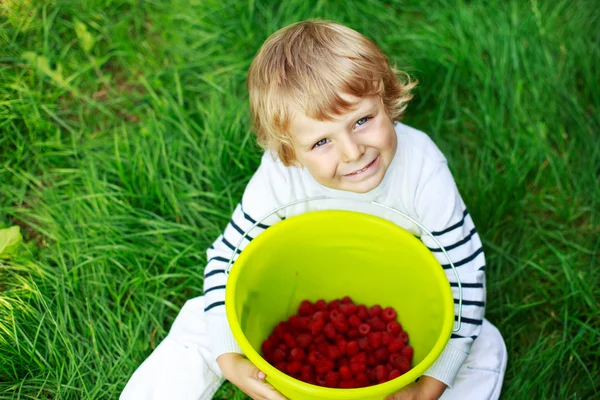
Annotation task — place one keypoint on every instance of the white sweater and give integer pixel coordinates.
(418, 183)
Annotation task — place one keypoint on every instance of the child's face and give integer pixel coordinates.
(351, 152)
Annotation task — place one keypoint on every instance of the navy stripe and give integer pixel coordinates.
(232, 247)
(455, 245)
(240, 230)
(249, 218)
(214, 272)
(455, 336)
(213, 305)
(218, 258)
(471, 303)
(467, 285)
(465, 260)
(481, 268)
(469, 320)
(214, 288)
(453, 227)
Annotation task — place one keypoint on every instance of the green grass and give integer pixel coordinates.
(123, 151)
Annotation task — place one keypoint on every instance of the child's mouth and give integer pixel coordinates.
(360, 171)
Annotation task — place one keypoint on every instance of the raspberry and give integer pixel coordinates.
(335, 315)
(386, 338)
(393, 359)
(407, 352)
(334, 305)
(371, 360)
(381, 372)
(329, 330)
(393, 327)
(375, 311)
(294, 367)
(321, 305)
(377, 324)
(403, 336)
(306, 373)
(362, 380)
(362, 312)
(280, 330)
(323, 314)
(268, 346)
(306, 308)
(359, 358)
(316, 325)
(354, 321)
(342, 344)
(381, 354)
(282, 366)
(323, 348)
(394, 374)
(389, 314)
(349, 384)
(395, 345)
(304, 340)
(323, 366)
(332, 379)
(320, 338)
(343, 362)
(364, 329)
(289, 340)
(403, 364)
(363, 344)
(340, 325)
(297, 354)
(300, 323)
(352, 348)
(346, 300)
(278, 355)
(320, 380)
(345, 373)
(348, 308)
(352, 333)
(372, 375)
(333, 352)
(375, 339)
(357, 367)
(314, 357)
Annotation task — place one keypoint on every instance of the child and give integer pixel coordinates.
(325, 105)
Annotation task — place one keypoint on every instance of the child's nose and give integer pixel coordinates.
(351, 150)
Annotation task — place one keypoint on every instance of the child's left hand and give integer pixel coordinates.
(427, 388)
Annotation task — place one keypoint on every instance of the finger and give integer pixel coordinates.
(265, 391)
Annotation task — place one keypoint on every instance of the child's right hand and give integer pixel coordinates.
(242, 373)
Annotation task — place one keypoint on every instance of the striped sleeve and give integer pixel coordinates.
(262, 195)
(442, 211)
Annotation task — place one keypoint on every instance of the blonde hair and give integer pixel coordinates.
(307, 65)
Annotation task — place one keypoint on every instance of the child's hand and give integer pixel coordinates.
(427, 388)
(242, 373)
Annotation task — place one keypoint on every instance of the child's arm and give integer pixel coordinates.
(265, 191)
(440, 208)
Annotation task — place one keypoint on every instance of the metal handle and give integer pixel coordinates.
(459, 322)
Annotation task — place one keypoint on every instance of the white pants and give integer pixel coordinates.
(182, 367)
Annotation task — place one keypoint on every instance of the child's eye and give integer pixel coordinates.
(320, 143)
(362, 121)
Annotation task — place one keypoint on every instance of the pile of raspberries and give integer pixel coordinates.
(340, 345)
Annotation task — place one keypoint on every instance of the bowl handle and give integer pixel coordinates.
(457, 326)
